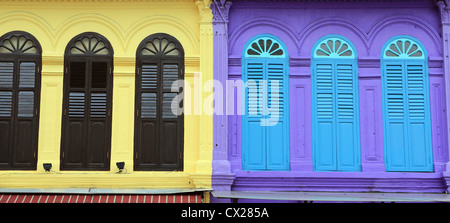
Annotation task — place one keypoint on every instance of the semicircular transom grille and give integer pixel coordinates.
(403, 48)
(334, 48)
(89, 46)
(265, 47)
(18, 44)
(161, 46)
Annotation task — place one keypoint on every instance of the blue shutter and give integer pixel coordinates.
(265, 125)
(395, 128)
(278, 131)
(323, 115)
(348, 143)
(253, 139)
(421, 157)
(406, 107)
(335, 107)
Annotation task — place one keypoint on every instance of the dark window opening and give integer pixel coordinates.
(77, 74)
(99, 74)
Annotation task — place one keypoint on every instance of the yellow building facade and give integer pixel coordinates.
(124, 23)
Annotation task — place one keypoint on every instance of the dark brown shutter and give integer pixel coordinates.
(158, 131)
(20, 62)
(87, 104)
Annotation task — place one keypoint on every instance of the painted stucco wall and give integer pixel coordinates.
(299, 24)
(125, 24)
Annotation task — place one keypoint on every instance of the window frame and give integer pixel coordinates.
(17, 58)
(88, 58)
(159, 59)
(404, 62)
(334, 60)
(266, 163)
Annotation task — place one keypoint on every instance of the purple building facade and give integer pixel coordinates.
(368, 25)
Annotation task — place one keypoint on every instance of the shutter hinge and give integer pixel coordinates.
(37, 110)
(109, 112)
(63, 155)
(136, 155)
(180, 156)
(66, 70)
(107, 155)
(137, 112)
(65, 111)
(34, 154)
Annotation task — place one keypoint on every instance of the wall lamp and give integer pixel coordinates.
(47, 167)
(120, 166)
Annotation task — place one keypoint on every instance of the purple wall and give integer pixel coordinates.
(368, 25)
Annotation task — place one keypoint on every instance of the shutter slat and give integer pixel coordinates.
(167, 105)
(148, 105)
(27, 74)
(26, 104)
(5, 103)
(98, 105)
(170, 75)
(255, 73)
(149, 76)
(76, 104)
(275, 78)
(6, 74)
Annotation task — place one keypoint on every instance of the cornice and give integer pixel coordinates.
(99, 1)
(427, 1)
(333, 3)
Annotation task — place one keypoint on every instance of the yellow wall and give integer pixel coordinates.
(125, 23)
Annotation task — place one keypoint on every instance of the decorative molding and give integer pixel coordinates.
(98, 1)
(220, 10)
(204, 10)
(443, 6)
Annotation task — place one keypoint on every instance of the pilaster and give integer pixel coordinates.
(222, 178)
(444, 8)
(206, 70)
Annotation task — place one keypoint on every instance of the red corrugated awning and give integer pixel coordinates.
(101, 198)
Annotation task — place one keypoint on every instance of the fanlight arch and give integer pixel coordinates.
(334, 47)
(265, 47)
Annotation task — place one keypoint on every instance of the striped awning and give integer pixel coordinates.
(102, 198)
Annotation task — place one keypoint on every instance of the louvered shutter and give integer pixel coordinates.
(265, 125)
(421, 157)
(160, 130)
(6, 98)
(347, 123)
(254, 143)
(335, 116)
(170, 127)
(87, 123)
(20, 61)
(278, 131)
(323, 111)
(407, 118)
(395, 117)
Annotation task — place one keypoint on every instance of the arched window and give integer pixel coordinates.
(159, 133)
(335, 110)
(406, 105)
(265, 124)
(86, 127)
(20, 84)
